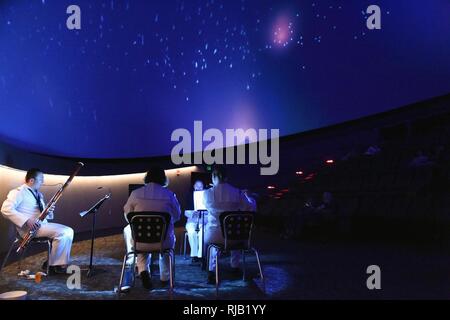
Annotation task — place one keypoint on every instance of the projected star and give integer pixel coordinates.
(283, 33)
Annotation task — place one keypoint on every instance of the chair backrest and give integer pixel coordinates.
(149, 229)
(237, 228)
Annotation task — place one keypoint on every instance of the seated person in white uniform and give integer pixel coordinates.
(222, 197)
(194, 228)
(154, 196)
(23, 207)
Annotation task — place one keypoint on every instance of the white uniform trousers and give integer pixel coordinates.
(143, 260)
(214, 235)
(62, 237)
(195, 239)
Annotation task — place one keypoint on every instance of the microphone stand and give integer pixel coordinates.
(93, 210)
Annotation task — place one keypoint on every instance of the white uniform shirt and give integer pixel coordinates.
(224, 197)
(154, 197)
(21, 205)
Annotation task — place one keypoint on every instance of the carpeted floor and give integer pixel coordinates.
(293, 270)
(190, 279)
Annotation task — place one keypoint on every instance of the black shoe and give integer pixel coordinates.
(57, 270)
(211, 277)
(195, 260)
(44, 265)
(146, 280)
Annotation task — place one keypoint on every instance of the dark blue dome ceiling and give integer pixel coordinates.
(137, 70)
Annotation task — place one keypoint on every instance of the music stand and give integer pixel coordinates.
(93, 210)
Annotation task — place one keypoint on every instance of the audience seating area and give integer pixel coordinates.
(381, 197)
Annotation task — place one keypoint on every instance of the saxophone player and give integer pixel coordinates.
(23, 207)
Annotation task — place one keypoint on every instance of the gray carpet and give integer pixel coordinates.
(190, 282)
(292, 269)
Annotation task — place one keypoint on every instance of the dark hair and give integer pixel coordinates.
(32, 174)
(198, 182)
(220, 172)
(156, 175)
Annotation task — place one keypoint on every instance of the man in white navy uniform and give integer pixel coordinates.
(222, 197)
(154, 196)
(23, 207)
(194, 228)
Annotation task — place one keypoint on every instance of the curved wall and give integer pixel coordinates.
(83, 192)
(296, 153)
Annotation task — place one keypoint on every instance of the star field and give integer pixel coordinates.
(145, 68)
